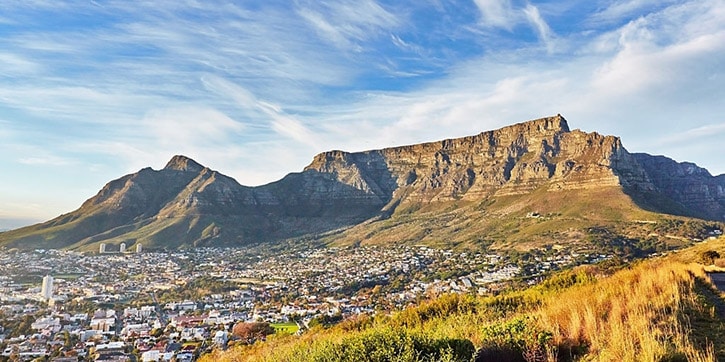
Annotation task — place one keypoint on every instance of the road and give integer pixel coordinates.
(719, 280)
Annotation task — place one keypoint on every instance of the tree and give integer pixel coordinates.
(252, 331)
(24, 327)
(708, 257)
(67, 342)
(15, 354)
(156, 332)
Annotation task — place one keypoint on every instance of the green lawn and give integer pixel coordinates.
(69, 276)
(290, 327)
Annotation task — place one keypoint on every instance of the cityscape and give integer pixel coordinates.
(144, 305)
(344, 181)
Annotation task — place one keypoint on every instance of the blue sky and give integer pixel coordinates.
(93, 90)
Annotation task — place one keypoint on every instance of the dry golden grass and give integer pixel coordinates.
(635, 315)
(657, 310)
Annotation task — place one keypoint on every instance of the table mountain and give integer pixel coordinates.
(463, 190)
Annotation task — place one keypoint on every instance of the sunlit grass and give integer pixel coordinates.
(659, 310)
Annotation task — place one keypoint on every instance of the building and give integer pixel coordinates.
(46, 290)
(221, 338)
(139, 247)
(122, 248)
(102, 248)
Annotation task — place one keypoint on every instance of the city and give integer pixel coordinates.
(155, 306)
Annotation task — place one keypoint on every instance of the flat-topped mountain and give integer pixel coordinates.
(456, 191)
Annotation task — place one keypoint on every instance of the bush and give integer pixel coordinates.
(516, 340)
(388, 345)
(251, 332)
(708, 257)
(444, 306)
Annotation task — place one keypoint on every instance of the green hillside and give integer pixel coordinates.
(601, 217)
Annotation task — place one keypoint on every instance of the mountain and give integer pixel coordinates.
(535, 181)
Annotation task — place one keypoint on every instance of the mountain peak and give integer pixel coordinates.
(453, 190)
(183, 163)
(559, 122)
(546, 125)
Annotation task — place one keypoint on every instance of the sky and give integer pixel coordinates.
(93, 90)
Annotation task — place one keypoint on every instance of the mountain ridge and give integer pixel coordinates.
(186, 204)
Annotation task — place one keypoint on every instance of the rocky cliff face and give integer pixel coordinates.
(191, 204)
(687, 184)
(512, 160)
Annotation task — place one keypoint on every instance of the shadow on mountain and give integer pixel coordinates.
(180, 208)
(680, 188)
(655, 201)
(186, 204)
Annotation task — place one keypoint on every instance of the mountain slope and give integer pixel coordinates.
(536, 180)
(694, 191)
(662, 309)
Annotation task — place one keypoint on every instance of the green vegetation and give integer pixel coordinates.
(663, 309)
(597, 218)
(196, 289)
(290, 327)
(491, 221)
(250, 332)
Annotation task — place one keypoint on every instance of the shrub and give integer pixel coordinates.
(518, 339)
(386, 345)
(252, 331)
(708, 257)
(444, 306)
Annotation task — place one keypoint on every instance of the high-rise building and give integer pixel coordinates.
(102, 248)
(139, 247)
(46, 290)
(123, 248)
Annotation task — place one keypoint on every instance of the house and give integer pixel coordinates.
(151, 356)
(187, 321)
(221, 338)
(186, 305)
(47, 323)
(103, 324)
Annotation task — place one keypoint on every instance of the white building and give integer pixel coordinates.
(52, 324)
(46, 290)
(139, 248)
(123, 248)
(221, 338)
(102, 248)
(151, 356)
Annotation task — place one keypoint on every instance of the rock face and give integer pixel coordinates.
(512, 160)
(687, 184)
(187, 204)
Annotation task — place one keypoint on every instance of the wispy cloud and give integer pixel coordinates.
(347, 24)
(497, 13)
(188, 125)
(663, 49)
(13, 64)
(623, 9)
(540, 26)
(255, 91)
(279, 121)
(694, 135)
(44, 161)
(709, 130)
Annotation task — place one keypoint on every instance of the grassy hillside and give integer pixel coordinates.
(542, 217)
(662, 309)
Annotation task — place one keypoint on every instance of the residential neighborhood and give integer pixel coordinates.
(176, 305)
